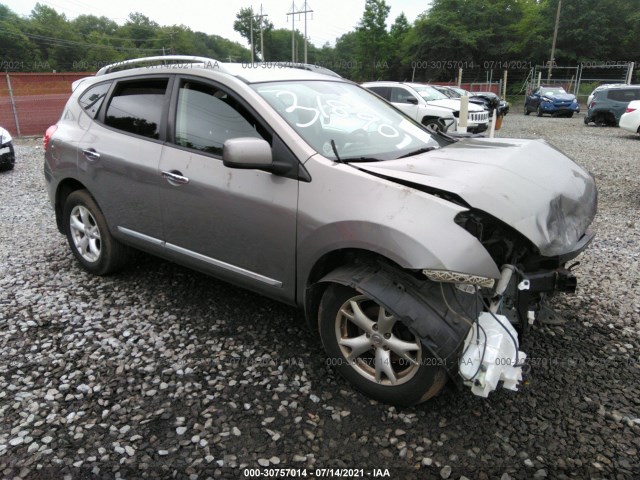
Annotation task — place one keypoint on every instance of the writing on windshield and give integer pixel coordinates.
(359, 124)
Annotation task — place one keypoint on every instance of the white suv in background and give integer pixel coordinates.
(428, 106)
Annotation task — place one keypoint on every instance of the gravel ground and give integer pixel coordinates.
(162, 372)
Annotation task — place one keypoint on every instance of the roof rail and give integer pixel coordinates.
(160, 60)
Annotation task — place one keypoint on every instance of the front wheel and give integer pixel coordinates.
(375, 352)
(89, 237)
(539, 111)
(526, 109)
(433, 124)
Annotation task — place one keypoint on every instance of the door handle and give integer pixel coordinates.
(91, 154)
(175, 177)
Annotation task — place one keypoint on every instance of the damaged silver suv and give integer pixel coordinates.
(416, 256)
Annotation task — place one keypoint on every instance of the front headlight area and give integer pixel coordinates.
(444, 276)
(491, 352)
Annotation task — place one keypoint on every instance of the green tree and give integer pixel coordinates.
(456, 33)
(373, 40)
(85, 25)
(58, 43)
(247, 24)
(18, 51)
(345, 57)
(277, 45)
(399, 32)
(140, 31)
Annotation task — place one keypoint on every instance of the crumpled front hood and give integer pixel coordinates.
(528, 184)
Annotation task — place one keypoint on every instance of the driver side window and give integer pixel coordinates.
(400, 95)
(207, 116)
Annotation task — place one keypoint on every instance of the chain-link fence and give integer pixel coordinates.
(31, 102)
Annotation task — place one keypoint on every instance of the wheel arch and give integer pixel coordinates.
(65, 188)
(422, 305)
(428, 118)
(330, 262)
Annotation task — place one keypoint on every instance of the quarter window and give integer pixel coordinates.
(92, 99)
(207, 116)
(136, 107)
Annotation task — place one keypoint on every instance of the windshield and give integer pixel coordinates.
(345, 118)
(460, 91)
(429, 93)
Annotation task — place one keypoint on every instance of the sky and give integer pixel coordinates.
(330, 18)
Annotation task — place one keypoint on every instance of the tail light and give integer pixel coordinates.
(593, 104)
(629, 110)
(47, 136)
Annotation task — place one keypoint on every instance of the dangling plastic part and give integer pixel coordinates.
(489, 355)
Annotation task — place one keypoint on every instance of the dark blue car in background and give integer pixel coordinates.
(552, 100)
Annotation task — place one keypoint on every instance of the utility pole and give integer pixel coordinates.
(260, 17)
(553, 44)
(293, 13)
(251, 30)
(293, 31)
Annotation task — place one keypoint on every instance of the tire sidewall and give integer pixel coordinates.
(425, 383)
(82, 198)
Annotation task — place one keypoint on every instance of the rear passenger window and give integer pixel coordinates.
(624, 94)
(207, 116)
(92, 99)
(136, 107)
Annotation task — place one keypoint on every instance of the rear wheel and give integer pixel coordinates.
(526, 109)
(374, 351)
(89, 237)
(539, 111)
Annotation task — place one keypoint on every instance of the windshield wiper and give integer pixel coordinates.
(361, 160)
(335, 152)
(417, 152)
(346, 161)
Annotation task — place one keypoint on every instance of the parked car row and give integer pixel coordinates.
(609, 104)
(426, 105)
(489, 100)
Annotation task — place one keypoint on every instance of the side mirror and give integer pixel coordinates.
(412, 100)
(246, 153)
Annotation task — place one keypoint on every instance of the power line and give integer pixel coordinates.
(68, 43)
(293, 13)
